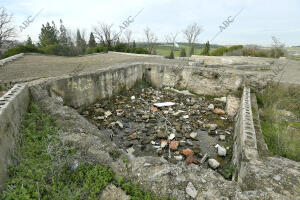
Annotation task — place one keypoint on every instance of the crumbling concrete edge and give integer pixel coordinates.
(245, 143)
(11, 58)
(13, 105)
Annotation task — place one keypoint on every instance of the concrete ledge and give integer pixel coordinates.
(13, 105)
(11, 58)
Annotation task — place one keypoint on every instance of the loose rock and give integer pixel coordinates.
(191, 190)
(213, 163)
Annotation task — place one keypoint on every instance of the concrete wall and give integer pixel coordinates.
(82, 90)
(245, 144)
(13, 105)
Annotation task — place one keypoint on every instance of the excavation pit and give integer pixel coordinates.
(188, 131)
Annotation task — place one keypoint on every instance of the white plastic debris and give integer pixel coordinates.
(132, 97)
(164, 104)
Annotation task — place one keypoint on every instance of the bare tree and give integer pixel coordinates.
(151, 40)
(7, 30)
(128, 36)
(192, 33)
(171, 38)
(105, 33)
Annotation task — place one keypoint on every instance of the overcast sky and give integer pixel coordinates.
(256, 24)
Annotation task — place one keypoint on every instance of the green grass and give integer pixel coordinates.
(281, 136)
(44, 169)
(165, 50)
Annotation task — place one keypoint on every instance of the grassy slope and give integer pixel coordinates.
(282, 136)
(44, 171)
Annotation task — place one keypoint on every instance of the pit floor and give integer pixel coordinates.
(136, 125)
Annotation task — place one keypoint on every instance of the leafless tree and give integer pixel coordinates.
(192, 33)
(128, 36)
(151, 40)
(7, 30)
(105, 33)
(171, 38)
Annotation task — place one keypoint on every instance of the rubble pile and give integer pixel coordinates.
(179, 127)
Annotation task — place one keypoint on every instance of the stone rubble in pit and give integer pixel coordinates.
(151, 122)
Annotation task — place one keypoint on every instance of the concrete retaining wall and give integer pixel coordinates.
(11, 58)
(13, 105)
(245, 144)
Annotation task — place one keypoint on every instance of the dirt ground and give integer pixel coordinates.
(42, 66)
(35, 66)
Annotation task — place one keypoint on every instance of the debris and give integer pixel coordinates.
(212, 127)
(154, 109)
(152, 142)
(107, 114)
(222, 137)
(222, 99)
(219, 111)
(174, 145)
(193, 135)
(191, 159)
(185, 116)
(179, 158)
(211, 107)
(213, 163)
(132, 97)
(172, 136)
(203, 159)
(159, 105)
(187, 152)
(163, 143)
(221, 150)
(130, 150)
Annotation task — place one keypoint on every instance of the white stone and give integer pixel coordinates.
(132, 97)
(178, 157)
(164, 104)
(172, 136)
(211, 107)
(130, 150)
(212, 127)
(191, 190)
(222, 137)
(222, 99)
(213, 163)
(107, 113)
(185, 116)
(193, 135)
(221, 151)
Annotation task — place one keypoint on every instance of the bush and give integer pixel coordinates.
(171, 56)
(219, 51)
(182, 52)
(21, 49)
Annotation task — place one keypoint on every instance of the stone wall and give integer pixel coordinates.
(13, 105)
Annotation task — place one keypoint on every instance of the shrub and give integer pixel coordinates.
(182, 52)
(21, 49)
(171, 56)
(219, 51)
